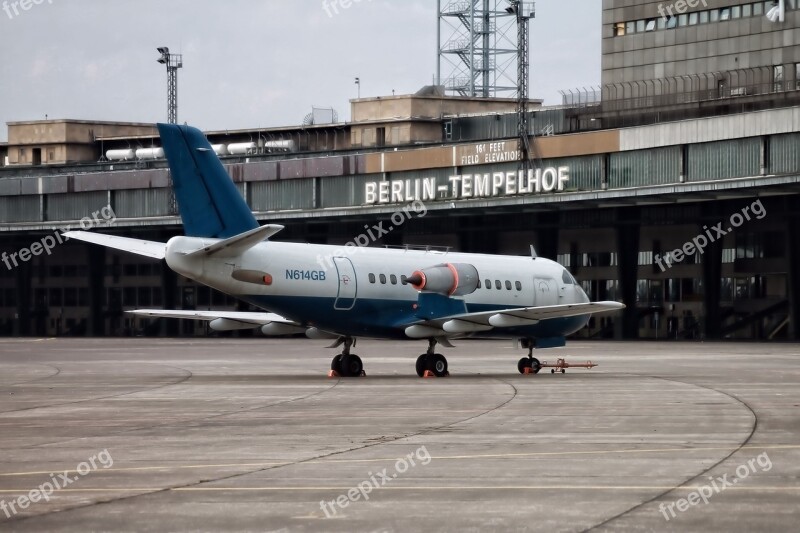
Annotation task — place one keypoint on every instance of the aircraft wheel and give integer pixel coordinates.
(552, 370)
(438, 365)
(422, 364)
(535, 365)
(523, 363)
(336, 364)
(351, 365)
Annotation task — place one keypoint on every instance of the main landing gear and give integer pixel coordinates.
(432, 362)
(528, 365)
(345, 364)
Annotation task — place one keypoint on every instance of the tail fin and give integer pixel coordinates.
(208, 201)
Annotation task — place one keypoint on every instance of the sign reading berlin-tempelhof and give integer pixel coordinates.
(466, 186)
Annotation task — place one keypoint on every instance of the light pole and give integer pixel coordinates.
(173, 62)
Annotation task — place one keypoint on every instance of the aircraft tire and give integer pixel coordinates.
(336, 364)
(422, 364)
(523, 363)
(351, 366)
(437, 364)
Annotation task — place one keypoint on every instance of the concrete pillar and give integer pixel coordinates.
(169, 293)
(24, 316)
(627, 327)
(712, 287)
(96, 256)
(793, 275)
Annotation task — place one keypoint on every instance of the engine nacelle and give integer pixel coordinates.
(450, 279)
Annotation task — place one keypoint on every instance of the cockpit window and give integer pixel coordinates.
(567, 278)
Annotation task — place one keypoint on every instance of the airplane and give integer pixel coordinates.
(389, 293)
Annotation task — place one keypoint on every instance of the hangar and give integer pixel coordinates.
(671, 151)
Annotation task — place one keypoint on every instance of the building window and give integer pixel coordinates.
(725, 13)
(704, 17)
(694, 18)
(672, 22)
(797, 75)
(630, 27)
(683, 20)
(758, 9)
(747, 10)
(714, 15)
(640, 26)
(736, 12)
(777, 78)
(619, 29)
(650, 25)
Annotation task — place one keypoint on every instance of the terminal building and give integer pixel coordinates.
(675, 192)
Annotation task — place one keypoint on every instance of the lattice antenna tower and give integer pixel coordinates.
(477, 48)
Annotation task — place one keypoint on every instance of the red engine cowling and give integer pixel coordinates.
(450, 279)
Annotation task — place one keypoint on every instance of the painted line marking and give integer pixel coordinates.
(389, 459)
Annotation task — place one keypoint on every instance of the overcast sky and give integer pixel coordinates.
(250, 63)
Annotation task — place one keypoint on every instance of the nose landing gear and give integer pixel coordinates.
(529, 365)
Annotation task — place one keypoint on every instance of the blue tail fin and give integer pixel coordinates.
(210, 205)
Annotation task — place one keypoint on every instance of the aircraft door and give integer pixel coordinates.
(348, 287)
(545, 291)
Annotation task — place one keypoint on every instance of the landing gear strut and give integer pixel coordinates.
(433, 362)
(345, 364)
(529, 364)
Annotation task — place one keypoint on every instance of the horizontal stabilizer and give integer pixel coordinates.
(151, 249)
(234, 246)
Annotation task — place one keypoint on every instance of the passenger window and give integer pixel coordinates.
(508, 285)
(498, 285)
(393, 279)
(488, 284)
(372, 278)
(404, 280)
(519, 286)
(383, 279)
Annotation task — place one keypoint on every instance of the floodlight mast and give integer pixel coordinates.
(173, 62)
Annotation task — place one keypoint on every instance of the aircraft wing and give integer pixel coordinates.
(254, 318)
(519, 316)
